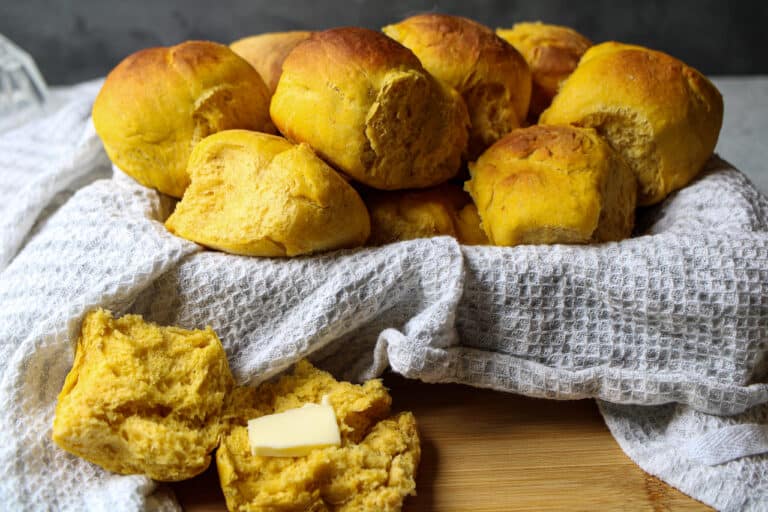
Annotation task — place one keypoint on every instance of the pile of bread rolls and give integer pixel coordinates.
(294, 143)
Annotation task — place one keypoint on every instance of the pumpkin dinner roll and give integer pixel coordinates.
(373, 469)
(491, 76)
(143, 399)
(159, 102)
(367, 106)
(662, 116)
(445, 210)
(259, 195)
(553, 184)
(266, 52)
(552, 53)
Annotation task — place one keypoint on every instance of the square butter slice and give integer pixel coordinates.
(295, 432)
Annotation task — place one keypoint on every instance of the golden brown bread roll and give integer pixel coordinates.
(445, 210)
(266, 52)
(367, 106)
(159, 102)
(259, 195)
(552, 53)
(143, 399)
(553, 184)
(662, 116)
(488, 72)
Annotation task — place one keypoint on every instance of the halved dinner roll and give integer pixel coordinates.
(368, 107)
(491, 76)
(373, 469)
(445, 210)
(143, 399)
(552, 53)
(553, 184)
(662, 116)
(159, 102)
(260, 195)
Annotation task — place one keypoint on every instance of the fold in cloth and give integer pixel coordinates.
(668, 328)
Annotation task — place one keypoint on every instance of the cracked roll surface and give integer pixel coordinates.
(143, 399)
(409, 214)
(159, 102)
(662, 116)
(552, 53)
(491, 76)
(259, 195)
(553, 184)
(368, 107)
(372, 470)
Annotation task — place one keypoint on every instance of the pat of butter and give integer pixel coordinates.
(295, 432)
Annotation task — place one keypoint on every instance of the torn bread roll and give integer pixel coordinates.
(259, 195)
(143, 399)
(373, 469)
(491, 76)
(368, 107)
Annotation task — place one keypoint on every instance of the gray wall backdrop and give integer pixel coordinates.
(77, 40)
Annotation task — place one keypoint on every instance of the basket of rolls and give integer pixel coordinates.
(517, 209)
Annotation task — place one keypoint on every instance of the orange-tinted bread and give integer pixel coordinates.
(552, 52)
(368, 107)
(159, 102)
(662, 116)
(491, 76)
(553, 184)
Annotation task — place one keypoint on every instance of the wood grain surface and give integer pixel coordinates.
(489, 451)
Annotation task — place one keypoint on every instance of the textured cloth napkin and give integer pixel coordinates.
(667, 329)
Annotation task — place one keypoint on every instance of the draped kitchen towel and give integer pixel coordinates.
(667, 329)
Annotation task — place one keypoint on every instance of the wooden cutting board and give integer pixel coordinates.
(490, 451)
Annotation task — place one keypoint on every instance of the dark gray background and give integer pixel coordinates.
(77, 40)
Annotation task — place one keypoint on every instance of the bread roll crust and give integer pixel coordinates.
(259, 195)
(159, 102)
(266, 52)
(552, 53)
(445, 210)
(346, 47)
(491, 76)
(366, 105)
(662, 116)
(553, 184)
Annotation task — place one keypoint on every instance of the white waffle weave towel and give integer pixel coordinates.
(668, 329)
